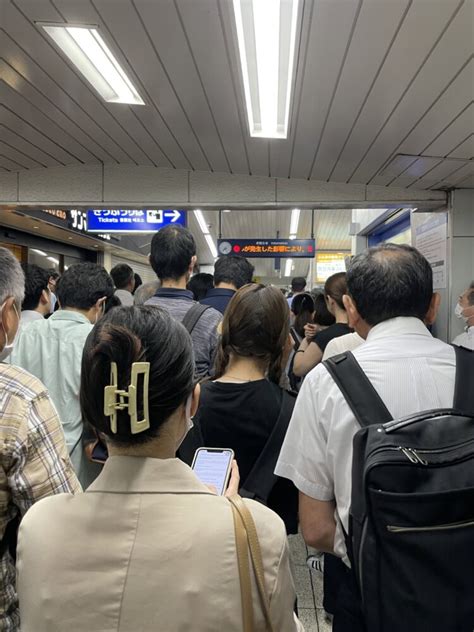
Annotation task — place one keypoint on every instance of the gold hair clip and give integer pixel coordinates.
(116, 399)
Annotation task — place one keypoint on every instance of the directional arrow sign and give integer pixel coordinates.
(113, 220)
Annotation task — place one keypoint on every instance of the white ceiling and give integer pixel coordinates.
(374, 79)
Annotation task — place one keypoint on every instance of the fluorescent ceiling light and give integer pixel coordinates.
(292, 236)
(56, 261)
(295, 218)
(211, 244)
(266, 33)
(201, 221)
(90, 54)
(288, 267)
(38, 252)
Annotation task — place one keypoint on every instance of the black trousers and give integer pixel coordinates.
(341, 597)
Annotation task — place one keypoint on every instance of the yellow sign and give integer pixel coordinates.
(329, 263)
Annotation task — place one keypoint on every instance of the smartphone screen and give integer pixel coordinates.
(212, 467)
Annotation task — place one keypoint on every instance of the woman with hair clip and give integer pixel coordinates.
(243, 407)
(311, 350)
(147, 547)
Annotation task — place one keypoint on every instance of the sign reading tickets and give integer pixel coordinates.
(132, 220)
(267, 248)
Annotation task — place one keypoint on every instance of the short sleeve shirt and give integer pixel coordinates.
(322, 338)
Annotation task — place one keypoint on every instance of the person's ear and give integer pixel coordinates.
(432, 312)
(353, 315)
(192, 264)
(9, 319)
(100, 304)
(195, 399)
(45, 297)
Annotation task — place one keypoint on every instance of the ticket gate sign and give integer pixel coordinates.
(267, 248)
(132, 220)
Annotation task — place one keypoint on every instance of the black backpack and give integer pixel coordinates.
(411, 525)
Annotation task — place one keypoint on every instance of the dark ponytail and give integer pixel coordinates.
(136, 334)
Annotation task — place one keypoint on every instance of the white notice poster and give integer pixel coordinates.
(431, 241)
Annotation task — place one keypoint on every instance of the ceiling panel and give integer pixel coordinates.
(372, 79)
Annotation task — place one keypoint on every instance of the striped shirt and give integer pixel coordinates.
(34, 463)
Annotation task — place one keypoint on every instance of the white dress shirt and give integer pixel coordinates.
(348, 342)
(29, 315)
(410, 370)
(465, 339)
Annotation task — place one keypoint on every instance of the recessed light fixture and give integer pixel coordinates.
(295, 218)
(88, 51)
(266, 33)
(205, 231)
(36, 227)
(226, 210)
(39, 252)
(288, 267)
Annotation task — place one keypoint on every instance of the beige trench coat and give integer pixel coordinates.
(146, 548)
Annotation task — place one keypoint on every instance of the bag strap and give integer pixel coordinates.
(359, 393)
(463, 389)
(193, 315)
(244, 570)
(255, 556)
(262, 478)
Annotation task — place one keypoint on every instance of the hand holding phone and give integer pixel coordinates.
(213, 467)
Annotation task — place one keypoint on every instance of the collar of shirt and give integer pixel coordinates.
(398, 326)
(131, 474)
(219, 291)
(174, 292)
(27, 315)
(66, 314)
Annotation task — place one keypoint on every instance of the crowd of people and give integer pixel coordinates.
(109, 385)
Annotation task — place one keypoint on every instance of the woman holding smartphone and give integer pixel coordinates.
(147, 547)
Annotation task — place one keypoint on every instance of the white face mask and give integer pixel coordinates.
(8, 348)
(53, 302)
(189, 420)
(458, 310)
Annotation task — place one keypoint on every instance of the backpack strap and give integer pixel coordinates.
(193, 315)
(262, 478)
(358, 392)
(463, 389)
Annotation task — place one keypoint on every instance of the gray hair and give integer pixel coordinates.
(145, 291)
(470, 295)
(12, 279)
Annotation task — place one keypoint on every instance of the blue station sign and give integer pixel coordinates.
(132, 220)
(267, 248)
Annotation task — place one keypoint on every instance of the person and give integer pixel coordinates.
(302, 309)
(311, 350)
(37, 302)
(111, 302)
(241, 406)
(298, 285)
(124, 281)
(148, 546)
(465, 311)
(389, 303)
(173, 257)
(34, 462)
(230, 274)
(138, 282)
(54, 277)
(145, 292)
(199, 284)
(52, 350)
(348, 342)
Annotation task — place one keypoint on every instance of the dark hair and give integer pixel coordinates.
(122, 275)
(199, 284)
(255, 324)
(138, 282)
(302, 307)
(36, 280)
(53, 274)
(389, 281)
(172, 249)
(234, 270)
(322, 316)
(111, 302)
(82, 285)
(136, 334)
(298, 284)
(336, 287)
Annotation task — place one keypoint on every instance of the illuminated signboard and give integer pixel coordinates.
(132, 220)
(329, 263)
(267, 248)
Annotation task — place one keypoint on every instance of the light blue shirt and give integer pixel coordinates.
(52, 351)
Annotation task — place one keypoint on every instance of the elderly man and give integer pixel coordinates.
(465, 311)
(389, 303)
(34, 461)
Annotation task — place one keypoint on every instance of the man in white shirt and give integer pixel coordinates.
(37, 302)
(465, 311)
(390, 298)
(124, 281)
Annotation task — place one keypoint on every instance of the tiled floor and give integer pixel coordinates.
(309, 588)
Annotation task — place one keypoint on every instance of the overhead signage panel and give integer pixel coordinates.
(132, 220)
(267, 248)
